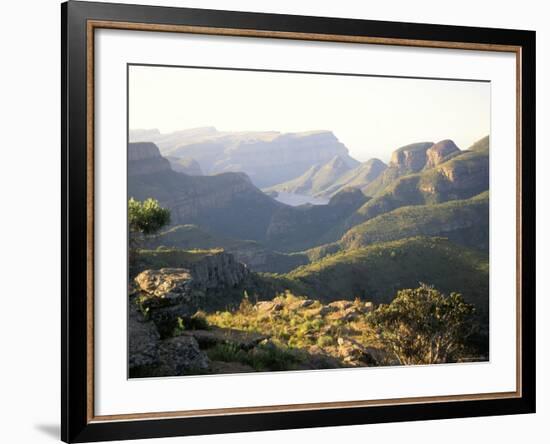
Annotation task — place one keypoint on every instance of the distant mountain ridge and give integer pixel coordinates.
(229, 205)
(268, 158)
(433, 190)
(317, 178)
(359, 177)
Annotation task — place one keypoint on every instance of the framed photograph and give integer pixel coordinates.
(275, 221)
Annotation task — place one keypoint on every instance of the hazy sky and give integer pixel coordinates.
(371, 116)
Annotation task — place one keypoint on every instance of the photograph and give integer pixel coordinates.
(305, 221)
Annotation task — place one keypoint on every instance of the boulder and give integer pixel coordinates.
(181, 355)
(242, 339)
(164, 283)
(355, 354)
(143, 342)
(341, 305)
(305, 303)
(268, 306)
(166, 295)
(144, 158)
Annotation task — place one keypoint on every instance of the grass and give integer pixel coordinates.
(376, 272)
(260, 358)
(296, 323)
(167, 257)
(463, 221)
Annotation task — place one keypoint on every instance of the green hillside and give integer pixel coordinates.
(255, 255)
(481, 145)
(298, 228)
(464, 222)
(227, 204)
(463, 176)
(376, 272)
(317, 178)
(359, 177)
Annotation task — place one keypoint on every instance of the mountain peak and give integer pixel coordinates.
(410, 157)
(349, 196)
(145, 158)
(440, 151)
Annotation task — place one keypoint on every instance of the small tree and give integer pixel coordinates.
(144, 219)
(423, 326)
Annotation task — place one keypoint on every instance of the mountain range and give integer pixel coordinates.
(297, 243)
(268, 158)
(427, 189)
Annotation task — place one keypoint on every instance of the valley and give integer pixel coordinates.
(282, 250)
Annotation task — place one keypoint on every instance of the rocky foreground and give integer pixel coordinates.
(169, 336)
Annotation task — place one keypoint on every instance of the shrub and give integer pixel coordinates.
(262, 357)
(424, 326)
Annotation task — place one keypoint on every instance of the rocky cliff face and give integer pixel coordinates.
(227, 204)
(411, 158)
(218, 271)
(144, 158)
(439, 152)
(167, 294)
(463, 175)
(150, 356)
(187, 166)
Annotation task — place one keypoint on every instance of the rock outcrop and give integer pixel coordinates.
(405, 160)
(180, 355)
(144, 158)
(227, 204)
(461, 175)
(149, 355)
(241, 339)
(186, 165)
(440, 152)
(411, 158)
(169, 295)
(218, 271)
(165, 282)
(143, 341)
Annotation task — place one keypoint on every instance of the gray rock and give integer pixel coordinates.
(144, 158)
(143, 342)
(268, 306)
(341, 305)
(165, 283)
(167, 295)
(440, 152)
(241, 339)
(411, 157)
(218, 270)
(181, 355)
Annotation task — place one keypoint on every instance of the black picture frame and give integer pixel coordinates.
(76, 423)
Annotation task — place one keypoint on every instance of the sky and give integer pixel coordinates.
(372, 116)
